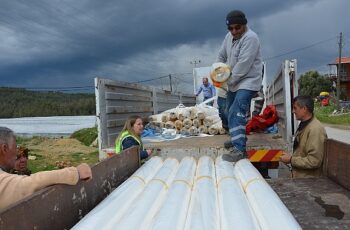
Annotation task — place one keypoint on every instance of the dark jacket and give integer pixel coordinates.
(130, 142)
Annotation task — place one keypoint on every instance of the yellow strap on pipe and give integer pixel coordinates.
(224, 178)
(203, 177)
(140, 178)
(162, 182)
(184, 181)
(251, 181)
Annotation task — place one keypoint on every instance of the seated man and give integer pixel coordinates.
(16, 187)
(21, 163)
(308, 146)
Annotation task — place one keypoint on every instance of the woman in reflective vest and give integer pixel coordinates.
(131, 136)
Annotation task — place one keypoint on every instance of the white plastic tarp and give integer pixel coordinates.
(142, 210)
(269, 210)
(172, 215)
(235, 212)
(204, 212)
(116, 204)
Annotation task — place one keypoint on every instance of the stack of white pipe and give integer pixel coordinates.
(142, 210)
(269, 210)
(117, 203)
(203, 212)
(172, 214)
(233, 204)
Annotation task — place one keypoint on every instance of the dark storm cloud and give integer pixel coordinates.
(68, 43)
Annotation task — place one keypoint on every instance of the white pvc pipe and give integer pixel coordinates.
(235, 212)
(269, 210)
(143, 209)
(117, 203)
(203, 212)
(172, 215)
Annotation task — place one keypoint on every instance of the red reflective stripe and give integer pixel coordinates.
(251, 153)
(269, 155)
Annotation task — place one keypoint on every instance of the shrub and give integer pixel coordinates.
(85, 136)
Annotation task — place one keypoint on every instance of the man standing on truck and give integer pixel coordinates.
(16, 187)
(241, 51)
(208, 90)
(308, 146)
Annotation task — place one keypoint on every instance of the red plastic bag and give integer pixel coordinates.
(262, 121)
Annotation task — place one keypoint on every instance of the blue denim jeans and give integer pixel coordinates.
(222, 114)
(237, 108)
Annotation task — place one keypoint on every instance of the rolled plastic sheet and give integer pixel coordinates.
(169, 125)
(155, 118)
(187, 123)
(193, 112)
(172, 214)
(204, 212)
(222, 131)
(165, 117)
(144, 208)
(117, 203)
(182, 112)
(178, 125)
(196, 122)
(210, 120)
(220, 72)
(203, 129)
(269, 210)
(193, 131)
(235, 212)
(172, 116)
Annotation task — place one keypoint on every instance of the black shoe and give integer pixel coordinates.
(234, 155)
(228, 144)
(226, 128)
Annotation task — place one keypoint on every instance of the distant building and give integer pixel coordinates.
(344, 76)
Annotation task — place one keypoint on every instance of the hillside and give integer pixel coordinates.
(17, 102)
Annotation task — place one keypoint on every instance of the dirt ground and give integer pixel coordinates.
(54, 153)
(59, 146)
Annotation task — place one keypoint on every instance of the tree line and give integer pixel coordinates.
(312, 83)
(16, 102)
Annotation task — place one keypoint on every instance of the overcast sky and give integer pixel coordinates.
(66, 43)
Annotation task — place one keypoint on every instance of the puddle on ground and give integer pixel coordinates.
(330, 210)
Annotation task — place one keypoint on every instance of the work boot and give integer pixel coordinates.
(234, 155)
(228, 144)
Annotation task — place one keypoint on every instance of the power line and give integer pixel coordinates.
(161, 77)
(180, 80)
(151, 79)
(300, 49)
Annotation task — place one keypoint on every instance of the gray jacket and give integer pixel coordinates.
(244, 57)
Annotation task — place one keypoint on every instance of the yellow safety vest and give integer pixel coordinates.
(125, 134)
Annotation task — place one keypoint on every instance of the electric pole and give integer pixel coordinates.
(338, 69)
(171, 86)
(194, 62)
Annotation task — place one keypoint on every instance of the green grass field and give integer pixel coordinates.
(324, 114)
(53, 153)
